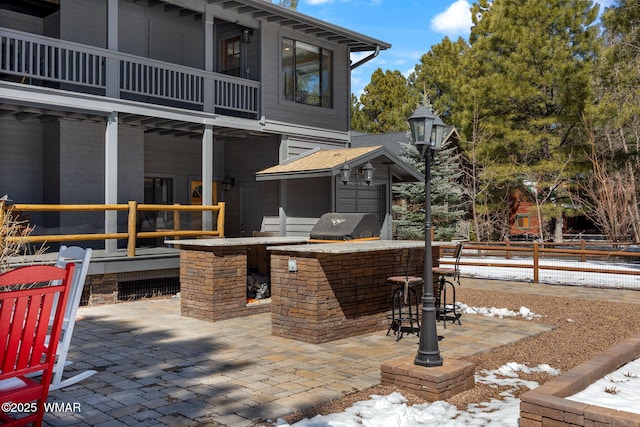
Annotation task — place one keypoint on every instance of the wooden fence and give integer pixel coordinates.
(530, 254)
(132, 233)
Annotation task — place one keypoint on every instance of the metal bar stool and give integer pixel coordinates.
(404, 306)
(405, 310)
(446, 307)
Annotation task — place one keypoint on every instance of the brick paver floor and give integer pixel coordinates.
(157, 368)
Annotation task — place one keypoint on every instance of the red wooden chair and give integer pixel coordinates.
(24, 327)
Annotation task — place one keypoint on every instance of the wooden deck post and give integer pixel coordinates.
(132, 223)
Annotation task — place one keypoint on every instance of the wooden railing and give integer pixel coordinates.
(132, 221)
(530, 254)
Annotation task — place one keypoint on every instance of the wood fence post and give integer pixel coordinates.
(583, 247)
(508, 246)
(536, 252)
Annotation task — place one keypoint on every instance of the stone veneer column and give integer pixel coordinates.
(213, 283)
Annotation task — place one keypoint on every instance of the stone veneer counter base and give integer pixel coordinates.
(213, 274)
(338, 290)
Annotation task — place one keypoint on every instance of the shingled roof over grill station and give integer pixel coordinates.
(322, 162)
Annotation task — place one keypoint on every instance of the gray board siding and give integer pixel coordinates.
(278, 109)
(21, 155)
(167, 36)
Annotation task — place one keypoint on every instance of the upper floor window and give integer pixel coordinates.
(307, 73)
(231, 56)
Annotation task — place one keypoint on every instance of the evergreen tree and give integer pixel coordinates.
(385, 104)
(446, 195)
(440, 75)
(529, 71)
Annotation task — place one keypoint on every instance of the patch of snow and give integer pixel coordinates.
(618, 390)
(392, 410)
(523, 312)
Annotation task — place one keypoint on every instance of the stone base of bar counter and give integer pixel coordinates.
(213, 275)
(339, 289)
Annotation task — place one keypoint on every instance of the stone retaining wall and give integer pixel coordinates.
(547, 406)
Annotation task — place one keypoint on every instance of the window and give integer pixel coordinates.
(231, 56)
(158, 191)
(522, 221)
(307, 73)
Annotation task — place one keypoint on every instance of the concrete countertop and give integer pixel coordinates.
(352, 247)
(236, 241)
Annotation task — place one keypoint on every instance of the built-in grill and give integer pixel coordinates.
(334, 227)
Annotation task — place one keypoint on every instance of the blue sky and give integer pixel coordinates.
(410, 26)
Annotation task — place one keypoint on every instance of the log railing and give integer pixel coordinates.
(132, 234)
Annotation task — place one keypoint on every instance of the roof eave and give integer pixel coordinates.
(266, 11)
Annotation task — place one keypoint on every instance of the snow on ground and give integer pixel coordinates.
(556, 277)
(618, 390)
(392, 410)
(524, 312)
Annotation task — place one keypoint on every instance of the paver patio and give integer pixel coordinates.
(158, 368)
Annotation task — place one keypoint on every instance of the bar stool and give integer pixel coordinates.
(405, 310)
(446, 307)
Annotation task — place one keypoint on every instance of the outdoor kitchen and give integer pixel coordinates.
(319, 291)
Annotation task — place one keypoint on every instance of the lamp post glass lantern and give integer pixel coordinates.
(427, 130)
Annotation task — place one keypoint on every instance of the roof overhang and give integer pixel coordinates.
(327, 163)
(273, 13)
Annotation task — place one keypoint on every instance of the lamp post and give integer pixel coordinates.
(427, 130)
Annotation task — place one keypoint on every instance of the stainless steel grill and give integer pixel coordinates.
(346, 227)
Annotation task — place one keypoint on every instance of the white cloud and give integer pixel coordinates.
(454, 21)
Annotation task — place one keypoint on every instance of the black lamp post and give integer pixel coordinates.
(427, 130)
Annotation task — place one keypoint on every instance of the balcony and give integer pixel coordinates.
(48, 62)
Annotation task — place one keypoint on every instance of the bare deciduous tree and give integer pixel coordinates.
(607, 196)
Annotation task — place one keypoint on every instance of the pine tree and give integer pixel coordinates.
(385, 104)
(446, 195)
(529, 71)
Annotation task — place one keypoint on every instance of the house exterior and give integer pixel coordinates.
(176, 101)
(523, 220)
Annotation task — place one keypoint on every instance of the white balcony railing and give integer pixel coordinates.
(74, 66)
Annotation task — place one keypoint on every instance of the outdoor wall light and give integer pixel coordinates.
(427, 130)
(367, 172)
(246, 35)
(227, 183)
(345, 173)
